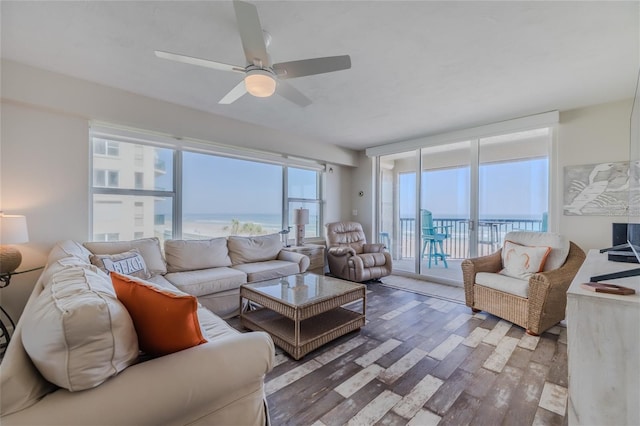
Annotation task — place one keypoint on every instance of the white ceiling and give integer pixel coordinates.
(418, 68)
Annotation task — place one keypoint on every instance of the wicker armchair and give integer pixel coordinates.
(547, 291)
(351, 258)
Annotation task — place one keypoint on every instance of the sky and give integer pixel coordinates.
(221, 185)
(507, 190)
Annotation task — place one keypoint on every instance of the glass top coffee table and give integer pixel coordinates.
(302, 312)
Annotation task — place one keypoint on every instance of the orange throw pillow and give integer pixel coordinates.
(165, 322)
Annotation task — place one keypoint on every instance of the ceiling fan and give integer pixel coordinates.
(261, 77)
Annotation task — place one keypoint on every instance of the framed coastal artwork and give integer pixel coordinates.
(599, 189)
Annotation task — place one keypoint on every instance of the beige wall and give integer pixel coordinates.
(596, 134)
(44, 157)
(45, 176)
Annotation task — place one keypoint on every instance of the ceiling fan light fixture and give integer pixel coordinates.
(260, 83)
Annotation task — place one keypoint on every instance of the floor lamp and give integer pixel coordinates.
(300, 219)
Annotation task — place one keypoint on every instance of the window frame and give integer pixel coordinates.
(176, 194)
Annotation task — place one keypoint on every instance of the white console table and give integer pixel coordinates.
(603, 333)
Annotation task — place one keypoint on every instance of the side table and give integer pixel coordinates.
(315, 252)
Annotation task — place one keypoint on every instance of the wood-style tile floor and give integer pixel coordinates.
(423, 360)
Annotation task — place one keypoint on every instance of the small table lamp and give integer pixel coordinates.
(13, 230)
(300, 218)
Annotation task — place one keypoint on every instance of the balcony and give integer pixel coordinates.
(491, 233)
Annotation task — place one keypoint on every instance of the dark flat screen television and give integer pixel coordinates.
(632, 243)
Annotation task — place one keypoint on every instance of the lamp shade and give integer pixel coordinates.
(13, 229)
(260, 83)
(301, 216)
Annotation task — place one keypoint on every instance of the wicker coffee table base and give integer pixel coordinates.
(299, 330)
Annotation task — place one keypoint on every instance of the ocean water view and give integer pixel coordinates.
(202, 225)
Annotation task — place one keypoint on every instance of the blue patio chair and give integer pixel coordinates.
(545, 222)
(433, 236)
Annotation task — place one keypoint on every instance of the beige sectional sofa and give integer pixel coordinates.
(212, 270)
(74, 360)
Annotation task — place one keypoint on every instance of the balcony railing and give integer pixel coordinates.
(491, 233)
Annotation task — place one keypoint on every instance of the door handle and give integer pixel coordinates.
(472, 225)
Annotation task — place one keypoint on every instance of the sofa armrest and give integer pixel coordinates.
(179, 388)
(302, 260)
(373, 248)
(341, 251)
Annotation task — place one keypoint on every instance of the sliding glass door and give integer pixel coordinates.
(513, 186)
(397, 208)
(465, 199)
(445, 197)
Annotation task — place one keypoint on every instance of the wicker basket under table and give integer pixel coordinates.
(302, 312)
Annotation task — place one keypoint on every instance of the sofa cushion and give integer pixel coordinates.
(503, 283)
(149, 249)
(207, 281)
(523, 261)
(77, 333)
(260, 271)
(189, 255)
(127, 263)
(164, 321)
(161, 282)
(559, 245)
(253, 249)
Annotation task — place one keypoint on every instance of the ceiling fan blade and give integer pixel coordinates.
(313, 66)
(251, 34)
(234, 94)
(292, 94)
(197, 61)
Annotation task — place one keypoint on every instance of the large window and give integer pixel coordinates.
(141, 191)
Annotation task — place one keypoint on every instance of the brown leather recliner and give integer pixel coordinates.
(351, 258)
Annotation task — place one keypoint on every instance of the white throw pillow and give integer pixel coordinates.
(559, 245)
(77, 333)
(127, 263)
(190, 255)
(254, 249)
(523, 261)
(149, 249)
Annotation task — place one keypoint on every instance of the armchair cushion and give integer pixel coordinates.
(373, 248)
(348, 234)
(342, 251)
(369, 260)
(515, 286)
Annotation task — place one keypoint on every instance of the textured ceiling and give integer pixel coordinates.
(418, 68)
